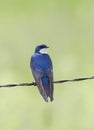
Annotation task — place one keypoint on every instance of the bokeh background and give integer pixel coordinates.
(67, 26)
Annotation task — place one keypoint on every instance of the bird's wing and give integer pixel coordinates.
(37, 73)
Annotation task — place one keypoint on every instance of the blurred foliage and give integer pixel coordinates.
(67, 26)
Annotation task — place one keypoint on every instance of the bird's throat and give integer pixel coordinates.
(43, 51)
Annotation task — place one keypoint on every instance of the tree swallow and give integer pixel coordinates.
(42, 69)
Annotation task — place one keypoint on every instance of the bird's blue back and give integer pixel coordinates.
(41, 62)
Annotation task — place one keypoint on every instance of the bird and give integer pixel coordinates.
(42, 70)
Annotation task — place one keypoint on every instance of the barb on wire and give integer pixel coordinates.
(59, 81)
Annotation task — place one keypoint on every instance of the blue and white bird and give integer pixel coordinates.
(42, 69)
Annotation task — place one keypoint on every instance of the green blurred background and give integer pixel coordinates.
(67, 26)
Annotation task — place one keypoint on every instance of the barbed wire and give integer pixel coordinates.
(56, 82)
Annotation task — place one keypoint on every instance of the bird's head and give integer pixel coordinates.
(41, 48)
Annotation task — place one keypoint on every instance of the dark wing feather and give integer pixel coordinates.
(37, 76)
(50, 75)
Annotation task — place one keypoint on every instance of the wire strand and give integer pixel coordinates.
(56, 82)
